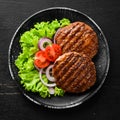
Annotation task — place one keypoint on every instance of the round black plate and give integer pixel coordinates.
(101, 60)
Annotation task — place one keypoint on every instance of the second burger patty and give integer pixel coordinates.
(74, 72)
(78, 37)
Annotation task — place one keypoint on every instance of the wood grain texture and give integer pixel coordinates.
(104, 105)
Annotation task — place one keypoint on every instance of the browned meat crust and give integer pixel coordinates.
(78, 37)
(74, 72)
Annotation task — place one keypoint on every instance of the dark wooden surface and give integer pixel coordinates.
(104, 105)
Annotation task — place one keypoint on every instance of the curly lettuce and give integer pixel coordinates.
(29, 45)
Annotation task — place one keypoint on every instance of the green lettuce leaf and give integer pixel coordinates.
(25, 61)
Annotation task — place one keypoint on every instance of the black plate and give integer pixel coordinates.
(101, 60)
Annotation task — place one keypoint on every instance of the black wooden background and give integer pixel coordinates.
(102, 106)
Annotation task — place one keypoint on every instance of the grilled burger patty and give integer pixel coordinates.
(74, 72)
(78, 37)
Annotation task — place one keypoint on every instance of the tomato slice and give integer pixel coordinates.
(53, 52)
(40, 60)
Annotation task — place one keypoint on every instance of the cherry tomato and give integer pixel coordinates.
(52, 52)
(40, 60)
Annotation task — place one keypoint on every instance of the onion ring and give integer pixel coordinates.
(50, 78)
(46, 84)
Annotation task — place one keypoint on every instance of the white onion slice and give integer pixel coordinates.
(42, 41)
(51, 91)
(46, 84)
(37, 67)
(54, 41)
(49, 77)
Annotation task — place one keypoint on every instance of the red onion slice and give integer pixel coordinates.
(46, 84)
(43, 42)
(49, 77)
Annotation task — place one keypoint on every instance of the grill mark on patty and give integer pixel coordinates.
(61, 64)
(86, 32)
(89, 39)
(79, 84)
(66, 79)
(64, 32)
(66, 39)
(73, 40)
(66, 67)
(66, 71)
(80, 45)
(89, 48)
(77, 38)
(62, 35)
(89, 82)
(80, 42)
(80, 75)
(72, 78)
(74, 31)
(80, 79)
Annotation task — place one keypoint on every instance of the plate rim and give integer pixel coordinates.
(88, 96)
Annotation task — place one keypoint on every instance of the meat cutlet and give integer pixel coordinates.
(74, 72)
(78, 37)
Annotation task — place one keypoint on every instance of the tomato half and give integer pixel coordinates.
(40, 60)
(52, 52)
